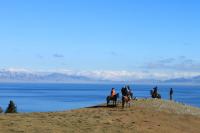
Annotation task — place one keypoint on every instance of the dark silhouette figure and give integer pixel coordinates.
(130, 93)
(124, 91)
(171, 93)
(114, 99)
(125, 96)
(154, 93)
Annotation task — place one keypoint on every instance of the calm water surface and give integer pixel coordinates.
(59, 97)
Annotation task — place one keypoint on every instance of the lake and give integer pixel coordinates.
(59, 97)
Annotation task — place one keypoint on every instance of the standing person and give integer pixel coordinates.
(171, 93)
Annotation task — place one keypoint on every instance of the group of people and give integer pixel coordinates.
(126, 91)
(127, 95)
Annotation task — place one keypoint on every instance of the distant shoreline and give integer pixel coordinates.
(99, 83)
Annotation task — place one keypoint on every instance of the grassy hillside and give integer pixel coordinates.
(144, 116)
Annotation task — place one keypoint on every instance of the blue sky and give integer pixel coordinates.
(100, 35)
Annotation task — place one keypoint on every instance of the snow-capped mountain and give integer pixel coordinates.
(27, 76)
(22, 75)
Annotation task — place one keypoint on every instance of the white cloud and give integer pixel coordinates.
(131, 75)
(176, 64)
(18, 70)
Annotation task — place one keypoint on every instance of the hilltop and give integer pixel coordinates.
(144, 116)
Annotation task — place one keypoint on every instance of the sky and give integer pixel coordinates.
(122, 37)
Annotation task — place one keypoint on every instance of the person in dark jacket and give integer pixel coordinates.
(171, 93)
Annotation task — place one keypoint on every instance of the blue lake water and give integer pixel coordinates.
(59, 97)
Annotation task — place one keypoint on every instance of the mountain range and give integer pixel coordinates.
(56, 77)
(46, 77)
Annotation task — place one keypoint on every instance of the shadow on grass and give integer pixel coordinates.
(103, 106)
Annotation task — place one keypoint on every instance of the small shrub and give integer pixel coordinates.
(11, 108)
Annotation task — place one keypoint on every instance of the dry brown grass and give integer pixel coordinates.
(145, 116)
